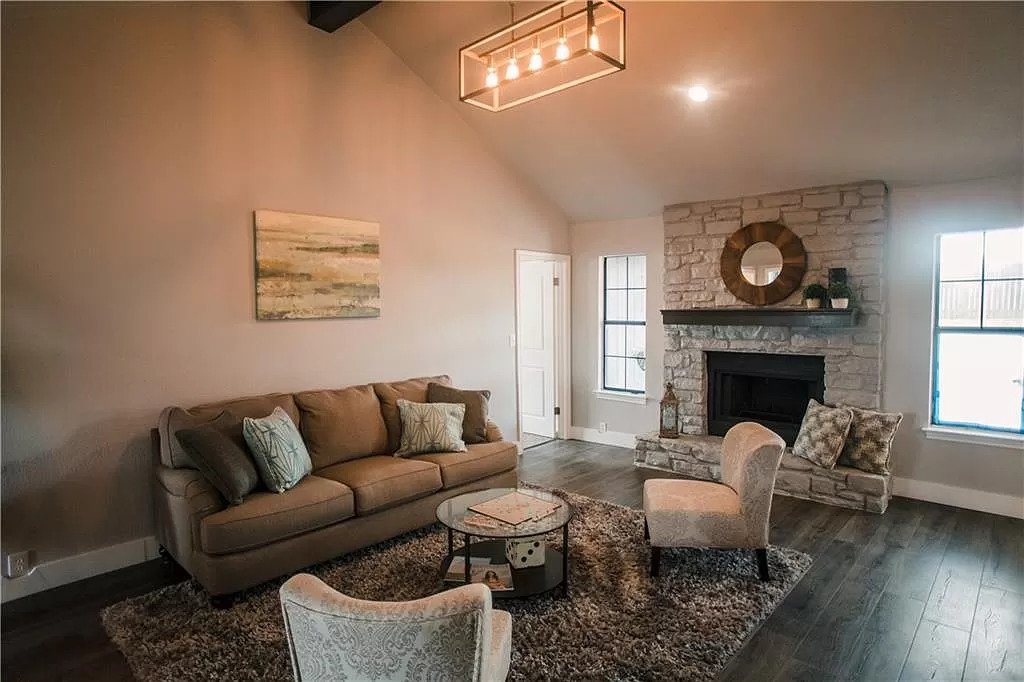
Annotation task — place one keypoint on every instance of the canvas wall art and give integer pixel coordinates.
(315, 267)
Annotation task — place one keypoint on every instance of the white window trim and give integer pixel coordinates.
(621, 397)
(1014, 441)
(603, 393)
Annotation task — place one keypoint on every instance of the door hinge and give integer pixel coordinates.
(558, 411)
(557, 281)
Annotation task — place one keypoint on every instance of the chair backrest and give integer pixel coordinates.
(332, 636)
(750, 458)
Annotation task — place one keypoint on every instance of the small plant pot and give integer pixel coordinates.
(840, 303)
(813, 303)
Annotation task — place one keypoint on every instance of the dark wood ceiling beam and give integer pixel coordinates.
(330, 16)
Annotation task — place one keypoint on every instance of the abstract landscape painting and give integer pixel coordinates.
(314, 267)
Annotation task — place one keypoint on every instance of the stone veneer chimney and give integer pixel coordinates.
(841, 226)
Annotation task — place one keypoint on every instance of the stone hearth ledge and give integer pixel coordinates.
(700, 457)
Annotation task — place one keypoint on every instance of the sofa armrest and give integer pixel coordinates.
(183, 498)
(493, 432)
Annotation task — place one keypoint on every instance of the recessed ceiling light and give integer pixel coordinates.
(698, 93)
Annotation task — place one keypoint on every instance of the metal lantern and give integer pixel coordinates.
(669, 414)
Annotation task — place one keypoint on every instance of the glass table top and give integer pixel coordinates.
(455, 513)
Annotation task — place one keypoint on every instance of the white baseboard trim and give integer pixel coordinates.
(966, 498)
(623, 440)
(73, 568)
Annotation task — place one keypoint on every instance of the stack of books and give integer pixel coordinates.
(498, 577)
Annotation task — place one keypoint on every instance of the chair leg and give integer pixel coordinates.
(655, 561)
(647, 531)
(762, 563)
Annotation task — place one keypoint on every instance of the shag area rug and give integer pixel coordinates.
(617, 624)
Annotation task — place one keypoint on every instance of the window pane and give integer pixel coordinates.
(615, 272)
(634, 376)
(979, 380)
(636, 340)
(637, 305)
(637, 272)
(1004, 303)
(615, 373)
(1004, 253)
(616, 305)
(960, 255)
(959, 304)
(615, 339)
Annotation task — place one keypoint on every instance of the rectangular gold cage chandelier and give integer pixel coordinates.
(565, 44)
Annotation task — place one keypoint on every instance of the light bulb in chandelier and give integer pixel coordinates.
(562, 51)
(536, 60)
(512, 70)
(593, 43)
(492, 77)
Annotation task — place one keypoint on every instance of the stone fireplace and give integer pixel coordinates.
(723, 374)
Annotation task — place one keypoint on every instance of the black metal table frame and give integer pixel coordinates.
(468, 553)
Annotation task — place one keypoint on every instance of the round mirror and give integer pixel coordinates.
(761, 263)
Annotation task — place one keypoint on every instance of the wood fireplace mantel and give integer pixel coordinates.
(776, 317)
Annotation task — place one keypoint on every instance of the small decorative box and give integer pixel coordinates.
(524, 552)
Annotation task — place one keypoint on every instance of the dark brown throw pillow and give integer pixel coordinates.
(474, 424)
(219, 451)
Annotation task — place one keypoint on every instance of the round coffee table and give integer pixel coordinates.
(526, 581)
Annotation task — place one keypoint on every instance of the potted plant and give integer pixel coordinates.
(813, 295)
(839, 293)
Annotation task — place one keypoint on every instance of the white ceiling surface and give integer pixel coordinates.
(803, 94)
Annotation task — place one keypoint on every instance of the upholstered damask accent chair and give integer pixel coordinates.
(455, 635)
(732, 514)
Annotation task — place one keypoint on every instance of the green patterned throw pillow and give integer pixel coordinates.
(431, 427)
(277, 449)
(822, 433)
(870, 441)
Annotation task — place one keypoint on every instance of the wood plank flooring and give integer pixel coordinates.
(923, 592)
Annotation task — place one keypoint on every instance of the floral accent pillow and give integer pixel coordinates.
(822, 433)
(869, 444)
(278, 450)
(430, 427)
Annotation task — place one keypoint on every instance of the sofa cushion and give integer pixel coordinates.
(218, 448)
(343, 424)
(267, 517)
(413, 390)
(383, 481)
(474, 424)
(479, 461)
(174, 419)
(431, 427)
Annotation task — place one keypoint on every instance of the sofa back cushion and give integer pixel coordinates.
(343, 424)
(174, 419)
(413, 390)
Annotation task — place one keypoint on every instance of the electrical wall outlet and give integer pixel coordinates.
(17, 564)
(602, 427)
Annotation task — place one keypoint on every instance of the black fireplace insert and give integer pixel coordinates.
(767, 388)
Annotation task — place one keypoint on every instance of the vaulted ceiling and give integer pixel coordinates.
(803, 94)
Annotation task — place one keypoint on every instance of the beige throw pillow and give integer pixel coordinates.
(822, 434)
(431, 427)
(869, 444)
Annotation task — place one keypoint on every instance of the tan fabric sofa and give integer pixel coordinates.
(359, 493)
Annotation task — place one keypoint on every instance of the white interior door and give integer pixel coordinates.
(537, 347)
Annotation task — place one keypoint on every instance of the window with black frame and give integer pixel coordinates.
(978, 347)
(624, 324)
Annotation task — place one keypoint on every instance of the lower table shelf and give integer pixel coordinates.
(526, 581)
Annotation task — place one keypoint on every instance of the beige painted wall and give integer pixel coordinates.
(919, 214)
(137, 140)
(591, 241)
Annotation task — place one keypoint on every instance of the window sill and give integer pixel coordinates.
(974, 436)
(634, 398)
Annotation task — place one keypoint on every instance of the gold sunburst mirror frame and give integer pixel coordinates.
(561, 46)
(783, 282)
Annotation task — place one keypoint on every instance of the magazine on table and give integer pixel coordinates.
(516, 508)
(498, 577)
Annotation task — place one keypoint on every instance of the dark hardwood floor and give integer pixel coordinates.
(923, 592)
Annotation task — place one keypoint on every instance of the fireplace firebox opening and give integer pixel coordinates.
(769, 388)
